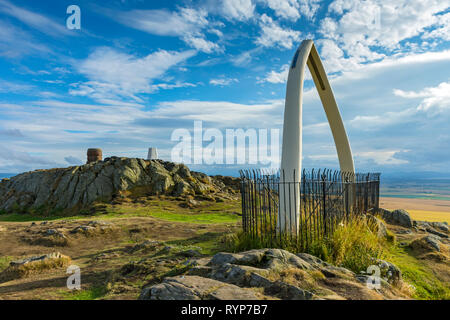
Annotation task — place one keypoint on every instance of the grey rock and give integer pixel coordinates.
(433, 241)
(195, 288)
(399, 217)
(389, 271)
(82, 229)
(54, 232)
(436, 233)
(235, 274)
(404, 231)
(441, 226)
(50, 256)
(427, 243)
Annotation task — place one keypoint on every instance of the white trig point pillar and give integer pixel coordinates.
(291, 156)
(152, 154)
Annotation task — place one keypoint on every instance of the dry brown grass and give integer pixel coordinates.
(34, 267)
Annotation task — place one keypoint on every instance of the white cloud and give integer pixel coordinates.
(287, 9)
(222, 81)
(434, 99)
(34, 20)
(201, 44)
(308, 8)
(172, 85)
(237, 9)
(272, 34)
(442, 29)
(222, 113)
(365, 29)
(14, 87)
(15, 43)
(115, 74)
(382, 157)
(164, 22)
(377, 122)
(277, 77)
(293, 9)
(186, 23)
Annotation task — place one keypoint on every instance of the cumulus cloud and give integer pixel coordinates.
(435, 99)
(222, 81)
(116, 74)
(366, 29)
(273, 35)
(237, 9)
(277, 77)
(293, 9)
(188, 24)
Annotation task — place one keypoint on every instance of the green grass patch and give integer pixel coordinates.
(4, 262)
(427, 286)
(209, 243)
(206, 213)
(87, 294)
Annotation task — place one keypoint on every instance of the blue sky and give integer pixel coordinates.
(137, 70)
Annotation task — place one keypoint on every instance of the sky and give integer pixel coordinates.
(137, 70)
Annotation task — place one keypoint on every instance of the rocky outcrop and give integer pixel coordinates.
(195, 288)
(397, 217)
(269, 274)
(427, 243)
(80, 186)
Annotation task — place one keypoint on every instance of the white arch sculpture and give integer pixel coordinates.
(291, 156)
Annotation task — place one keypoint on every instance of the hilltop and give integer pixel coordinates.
(113, 179)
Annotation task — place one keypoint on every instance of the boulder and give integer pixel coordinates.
(426, 244)
(398, 217)
(195, 288)
(389, 271)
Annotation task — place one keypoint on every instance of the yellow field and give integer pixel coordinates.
(419, 209)
(430, 215)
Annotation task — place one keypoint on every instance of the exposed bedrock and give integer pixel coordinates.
(80, 186)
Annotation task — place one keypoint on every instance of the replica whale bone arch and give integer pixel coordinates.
(291, 156)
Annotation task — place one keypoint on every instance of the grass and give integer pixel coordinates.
(209, 243)
(4, 262)
(35, 267)
(206, 213)
(86, 294)
(353, 245)
(426, 285)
